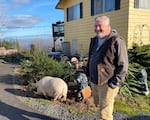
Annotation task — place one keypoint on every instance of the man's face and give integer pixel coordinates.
(102, 29)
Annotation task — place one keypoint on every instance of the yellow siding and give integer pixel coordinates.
(139, 25)
(83, 29)
(126, 21)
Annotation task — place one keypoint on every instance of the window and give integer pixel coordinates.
(58, 29)
(145, 4)
(74, 12)
(101, 6)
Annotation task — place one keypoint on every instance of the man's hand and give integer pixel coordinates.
(113, 84)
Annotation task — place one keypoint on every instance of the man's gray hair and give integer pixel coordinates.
(106, 18)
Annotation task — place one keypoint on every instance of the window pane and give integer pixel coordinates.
(70, 13)
(74, 12)
(98, 7)
(145, 4)
(101, 6)
(109, 5)
(136, 3)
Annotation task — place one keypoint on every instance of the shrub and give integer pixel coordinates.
(39, 65)
(9, 44)
(139, 58)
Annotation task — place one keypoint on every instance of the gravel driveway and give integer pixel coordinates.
(11, 108)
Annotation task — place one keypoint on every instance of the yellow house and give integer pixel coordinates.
(131, 18)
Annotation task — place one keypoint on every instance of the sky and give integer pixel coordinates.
(28, 17)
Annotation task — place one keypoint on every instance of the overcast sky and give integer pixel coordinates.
(28, 17)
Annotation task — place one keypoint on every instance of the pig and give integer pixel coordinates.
(52, 87)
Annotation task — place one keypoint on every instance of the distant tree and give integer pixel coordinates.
(32, 48)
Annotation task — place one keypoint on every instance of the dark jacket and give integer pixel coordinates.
(110, 63)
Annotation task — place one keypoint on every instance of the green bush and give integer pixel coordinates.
(140, 55)
(39, 65)
(139, 58)
(9, 44)
(132, 101)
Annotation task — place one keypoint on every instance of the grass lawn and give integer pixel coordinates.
(138, 105)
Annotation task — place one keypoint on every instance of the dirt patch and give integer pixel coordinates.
(82, 106)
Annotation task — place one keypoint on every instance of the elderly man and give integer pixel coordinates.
(107, 66)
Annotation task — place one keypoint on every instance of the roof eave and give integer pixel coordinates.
(58, 5)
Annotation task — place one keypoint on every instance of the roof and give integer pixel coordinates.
(58, 6)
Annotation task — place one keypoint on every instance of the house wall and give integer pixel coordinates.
(83, 29)
(139, 25)
(133, 24)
